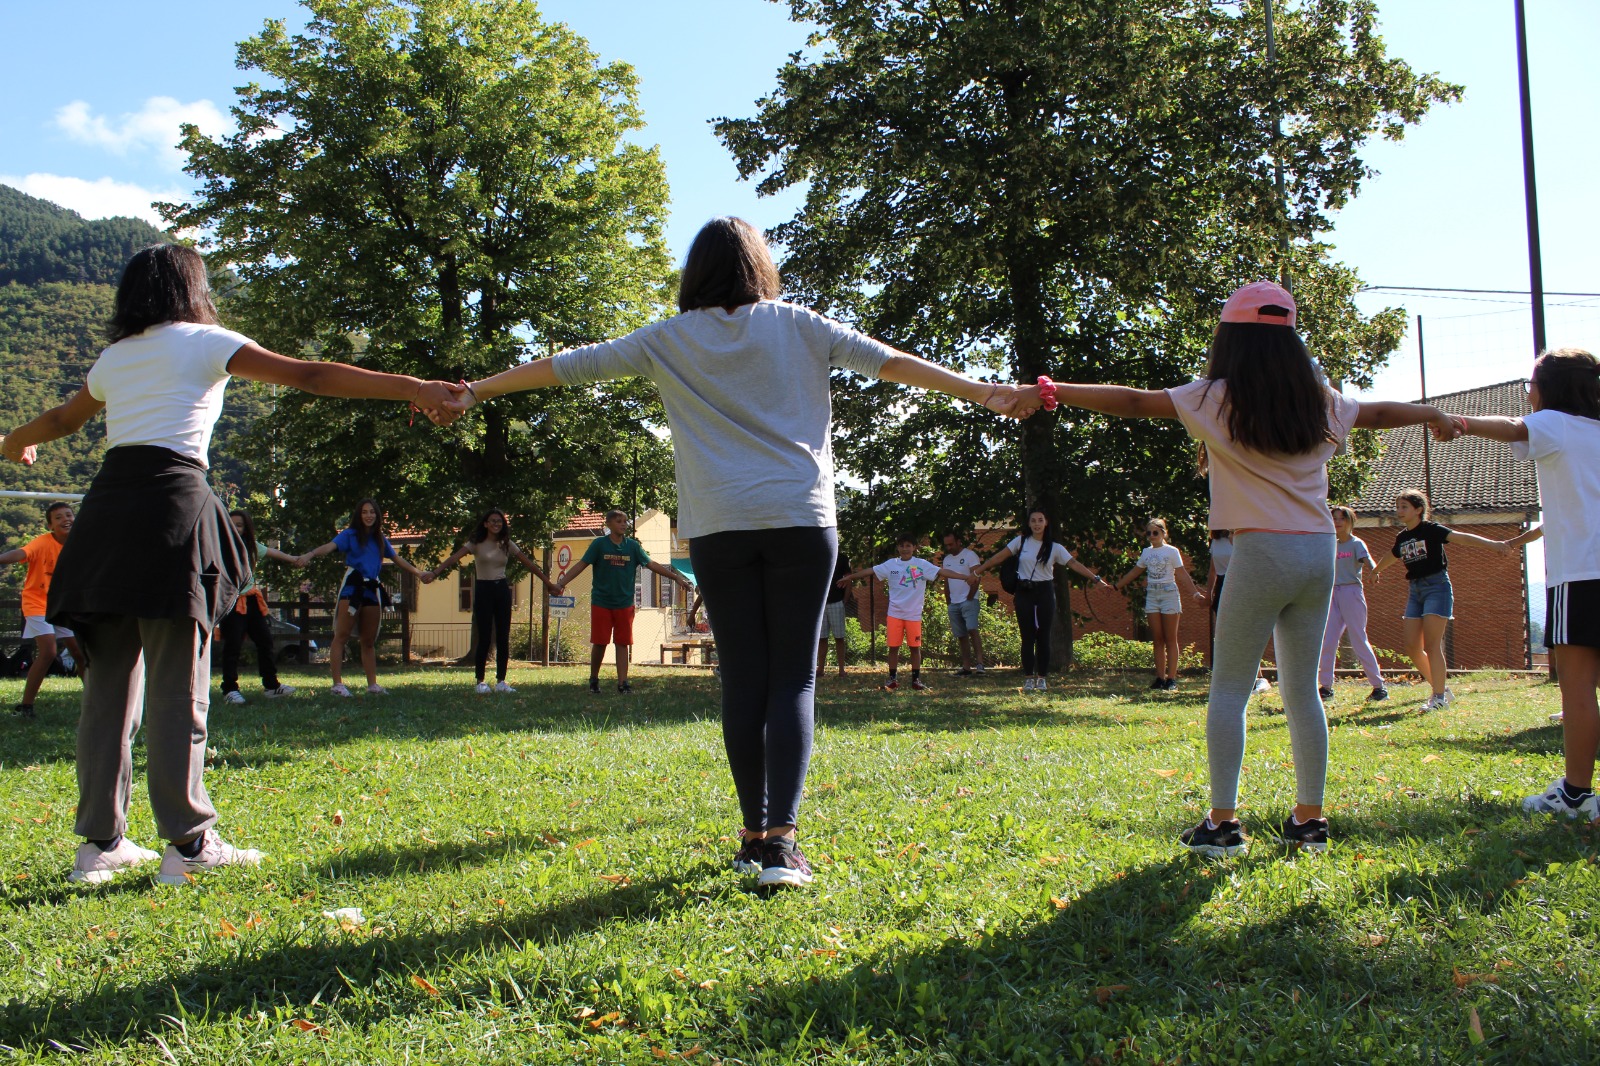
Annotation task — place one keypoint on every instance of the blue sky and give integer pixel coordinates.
(93, 109)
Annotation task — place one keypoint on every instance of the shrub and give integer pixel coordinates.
(1107, 651)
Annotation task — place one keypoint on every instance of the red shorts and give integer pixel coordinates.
(904, 627)
(610, 625)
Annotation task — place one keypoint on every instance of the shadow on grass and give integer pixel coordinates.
(321, 968)
(1542, 739)
(263, 733)
(1158, 964)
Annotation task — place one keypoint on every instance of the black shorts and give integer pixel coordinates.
(1572, 614)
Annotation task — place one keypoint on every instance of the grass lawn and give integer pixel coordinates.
(543, 877)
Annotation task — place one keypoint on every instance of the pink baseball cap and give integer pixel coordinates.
(1245, 305)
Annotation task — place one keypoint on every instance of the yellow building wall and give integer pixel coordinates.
(438, 603)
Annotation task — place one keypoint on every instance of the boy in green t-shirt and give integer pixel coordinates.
(616, 558)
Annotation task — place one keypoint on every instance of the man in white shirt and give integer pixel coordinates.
(963, 602)
(906, 577)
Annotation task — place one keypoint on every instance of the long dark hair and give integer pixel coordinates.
(362, 536)
(481, 534)
(249, 534)
(161, 283)
(1275, 403)
(729, 265)
(1569, 381)
(1049, 526)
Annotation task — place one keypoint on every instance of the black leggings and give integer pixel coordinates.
(765, 590)
(1036, 613)
(234, 629)
(491, 612)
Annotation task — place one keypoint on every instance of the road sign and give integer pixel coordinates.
(564, 557)
(560, 605)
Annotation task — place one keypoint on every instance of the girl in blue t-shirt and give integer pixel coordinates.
(361, 595)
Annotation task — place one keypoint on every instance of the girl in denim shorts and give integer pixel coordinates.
(1431, 602)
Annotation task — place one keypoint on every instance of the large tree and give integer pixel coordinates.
(1067, 187)
(438, 187)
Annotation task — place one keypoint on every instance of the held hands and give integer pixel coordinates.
(1446, 427)
(462, 402)
(1014, 401)
(434, 399)
(429, 577)
(17, 453)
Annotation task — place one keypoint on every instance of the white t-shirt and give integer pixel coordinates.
(908, 585)
(964, 560)
(1033, 564)
(1221, 556)
(164, 386)
(1566, 450)
(1160, 564)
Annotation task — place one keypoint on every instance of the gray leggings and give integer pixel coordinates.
(1279, 586)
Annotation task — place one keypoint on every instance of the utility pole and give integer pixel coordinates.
(1427, 451)
(1530, 193)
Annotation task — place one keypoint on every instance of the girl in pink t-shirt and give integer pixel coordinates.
(1267, 425)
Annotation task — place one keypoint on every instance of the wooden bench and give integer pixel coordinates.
(680, 651)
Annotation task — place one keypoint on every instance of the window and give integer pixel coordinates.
(463, 591)
(665, 588)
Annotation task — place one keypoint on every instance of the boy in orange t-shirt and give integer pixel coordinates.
(40, 555)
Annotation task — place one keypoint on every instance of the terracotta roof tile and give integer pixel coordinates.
(1468, 475)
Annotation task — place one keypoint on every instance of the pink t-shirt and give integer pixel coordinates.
(1259, 490)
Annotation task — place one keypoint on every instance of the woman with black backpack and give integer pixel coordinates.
(1033, 589)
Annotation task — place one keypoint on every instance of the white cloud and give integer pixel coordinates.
(153, 127)
(104, 198)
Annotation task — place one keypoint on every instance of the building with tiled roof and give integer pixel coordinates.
(1467, 476)
(1477, 485)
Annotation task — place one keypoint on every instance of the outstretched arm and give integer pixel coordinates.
(994, 560)
(54, 424)
(15, 555)
(316, 553)
(1458, 537)
(1188, 579)
(1527, 536)
(1012, 401)
(450, 560)
(1391, 414)
(567, 578)
(339, 379)
(533, 567)
(1118, 400)
(1509, 430)
(1095, 578)
(671, 573)
(854, 576)
(1129, 576)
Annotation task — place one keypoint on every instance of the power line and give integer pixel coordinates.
(1486, 292)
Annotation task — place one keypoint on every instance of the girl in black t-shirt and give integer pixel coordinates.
(1431, 601)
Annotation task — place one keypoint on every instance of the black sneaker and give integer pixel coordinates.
(1309, 835)
(1326, 692)
(24, 711)
(1172, 684)
(624, 689)
(782, 863)
(594, 685)
(1379, 693)
(1158, 684)
(748, 858)
(1220, 842)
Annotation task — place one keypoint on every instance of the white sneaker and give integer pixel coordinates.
(501, 686)
(377, 690)
(1261, 685)
(1040, 686)
(281, 690)
(233, 697)
(1429, 704)
(93, 866)
(1027, 684)
(482, 688)
(1558, 716)
(214, 853)
(1446, 699)
(1551, 801)
(341, 689)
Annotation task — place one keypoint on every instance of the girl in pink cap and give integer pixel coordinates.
(1267, 425)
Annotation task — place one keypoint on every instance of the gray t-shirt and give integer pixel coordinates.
(1347, 560)
(747, 400)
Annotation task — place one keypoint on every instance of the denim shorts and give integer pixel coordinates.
(1431, 595)
(1162, 600)
(963, 618)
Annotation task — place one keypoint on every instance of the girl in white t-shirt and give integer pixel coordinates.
(1038, 554)
(154, 563)
(1162, 565)
(1562, 437)
(1268, 425)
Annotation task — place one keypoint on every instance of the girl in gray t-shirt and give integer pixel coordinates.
(1348, 610)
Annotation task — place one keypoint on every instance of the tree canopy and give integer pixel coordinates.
(1067, 187)
(439, 189)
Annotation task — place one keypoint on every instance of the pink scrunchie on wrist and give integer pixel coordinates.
(1047, 393)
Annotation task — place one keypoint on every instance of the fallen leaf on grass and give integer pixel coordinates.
(1462, 980)
(551, 839)
(228, 930)
(1104, 993)
(424, 984)
(1380, 777)
(708, 984)
(338, 818)
(1376, 940)
(1430, 758)
(309, 1027)
(1383, 825)
(1504, 964)
(1474, 1026)
(255, 921)
(1059, 903)
(584, 1012)
(620, 880)
(1166, 773)
(584, 843)
(963, 791)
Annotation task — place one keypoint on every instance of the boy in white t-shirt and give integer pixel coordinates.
(906, 577)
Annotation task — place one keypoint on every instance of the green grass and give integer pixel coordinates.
(996, 881)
